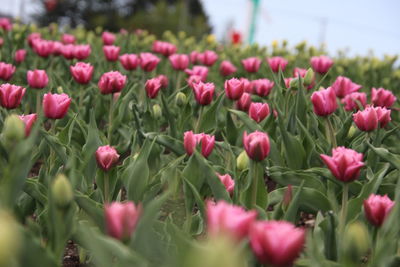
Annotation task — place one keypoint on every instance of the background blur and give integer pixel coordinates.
(357, 26)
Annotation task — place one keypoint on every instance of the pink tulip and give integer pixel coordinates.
(68, 51)
(163, 80)
(28, 120)
(108, 38)
(129, 61)
(121, 219)
(207, 58)
(257, 145)
(251, 64)
(344, 86)
(57, 48)
(345, 163)
(383, 116)
(353, 100)
(5, 24)
(383, 98)
(68, 39)
(228, 182)
(276, 63)
(190, 140)
(55, 106)
(244, 102)
(152, 87)
(82, 52)
(37, 79)
(287, 82)
(32, 37)
(11, 95)
(324, 102)
(228, 219)
(198, 71)
(234, 88)
(179, 61)
(20, 55)
(43, 48)
(194, 79)
(194, 55)
(111, 52)
(276, 243)
(203, 92)
(6, 71)
(370, 118)
(111, 82)
(377, 209)
(164, 48)
(227, 68)
(106, 157)
(148, 61)
(259, 111)
(262, 87)
(82, 72)
(247, 85)
(321, 64)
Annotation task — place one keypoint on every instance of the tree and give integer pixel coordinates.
(156, 16)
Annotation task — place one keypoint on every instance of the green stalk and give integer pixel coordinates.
(330, 132)
(38, 101)
(110, 118)
(106, 188)
(254, 176)
(343, 215)
(199, 119)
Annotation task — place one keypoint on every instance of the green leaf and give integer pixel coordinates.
(250, 124)
(311, 199)
(136, 175)
(209, 118)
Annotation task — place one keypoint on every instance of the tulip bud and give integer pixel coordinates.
(294, 83)
(218, 251)
(60, 90)
(180, 99)
(157, 112)
(356, 242)
(352, 131)
(13, 130)
(61, 191)
(10, 239)
(309, 77)
(242, 161)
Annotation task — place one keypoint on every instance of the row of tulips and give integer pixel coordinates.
(136, 151)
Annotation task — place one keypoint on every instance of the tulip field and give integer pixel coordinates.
(123, 149)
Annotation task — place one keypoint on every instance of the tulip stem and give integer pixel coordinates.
(331, 132)
(37, 101)
(106, 188)
(110, 118)
(254, 167)
(197, 129)
(345, 198)
(178, 80)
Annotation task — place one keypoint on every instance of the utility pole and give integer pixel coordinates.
(255, 7)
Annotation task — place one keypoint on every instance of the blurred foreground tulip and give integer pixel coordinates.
(121, 219)
(377, 209)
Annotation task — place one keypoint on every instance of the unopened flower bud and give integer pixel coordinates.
(356, 242)
(10, 239)
(61, 191)
(60, 90)
(294, 83)
(13, 130)
(352, 131)
(242, 161)
(218, 251)
(180, 99)
(309, 77)
(157, 112)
